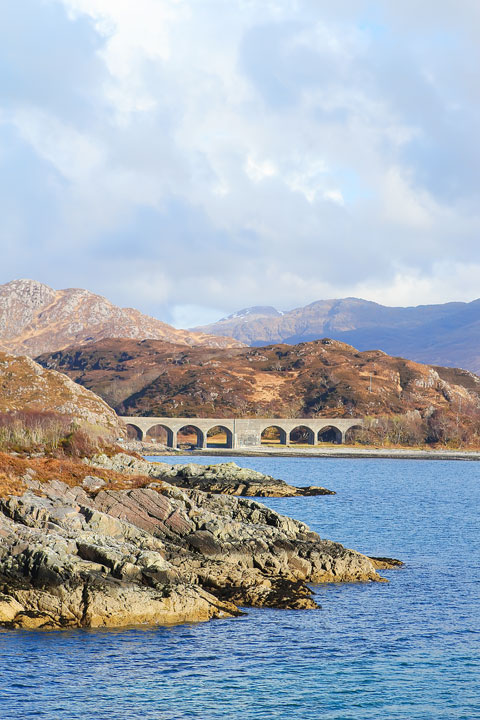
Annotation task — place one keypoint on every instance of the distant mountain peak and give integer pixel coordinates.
(442, 334)
(254, 312)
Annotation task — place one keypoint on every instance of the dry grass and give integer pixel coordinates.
(10, 485)
(268, 387)
(71, 471)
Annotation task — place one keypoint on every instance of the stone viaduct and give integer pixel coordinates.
(241, 433)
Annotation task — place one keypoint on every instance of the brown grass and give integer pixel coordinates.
(268, 387)
(10, 485)
(71, 471)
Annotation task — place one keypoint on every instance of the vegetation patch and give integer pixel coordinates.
(30, 431)
(15, 469)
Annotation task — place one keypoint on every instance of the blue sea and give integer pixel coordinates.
(408, 649)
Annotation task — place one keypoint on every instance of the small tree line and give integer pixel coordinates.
(411, 429)
(44, 431)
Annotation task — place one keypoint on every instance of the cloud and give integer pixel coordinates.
(193, 158)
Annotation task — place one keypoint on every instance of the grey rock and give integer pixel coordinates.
(156, 555)
(91, 483)
(225, 478)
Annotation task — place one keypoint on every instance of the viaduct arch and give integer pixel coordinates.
(244, 433)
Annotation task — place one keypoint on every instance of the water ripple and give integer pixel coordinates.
(407, 650)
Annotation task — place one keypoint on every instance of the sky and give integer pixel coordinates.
(194, 157)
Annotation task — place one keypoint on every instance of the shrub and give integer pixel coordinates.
(79, 444)
(441, 427)
(45, 432)
(33, 429)
(409, 429)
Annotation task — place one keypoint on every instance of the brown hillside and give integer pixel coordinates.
(26, 386)
(320, 378)
(35, 319)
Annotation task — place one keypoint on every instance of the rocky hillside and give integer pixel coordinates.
(25, 385)
(35, 319)
(445, 334)
(321, 378)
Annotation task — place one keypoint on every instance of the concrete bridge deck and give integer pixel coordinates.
(244, 433)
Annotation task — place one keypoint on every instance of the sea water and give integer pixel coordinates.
(408, 649)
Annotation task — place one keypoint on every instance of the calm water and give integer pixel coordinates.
(408, 649)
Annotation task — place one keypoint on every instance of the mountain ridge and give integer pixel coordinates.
(35, 318)
(438, 334)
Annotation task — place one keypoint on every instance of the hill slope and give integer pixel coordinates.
(321, 378)
(35, 319)
(26, 386)
(447, 334)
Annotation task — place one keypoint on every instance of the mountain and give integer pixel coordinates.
(258, 312)
(26, 386)
(35, 319)
(321, 378)
(446, 334)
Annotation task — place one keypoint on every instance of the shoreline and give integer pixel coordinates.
(337, 452)
(152, 552)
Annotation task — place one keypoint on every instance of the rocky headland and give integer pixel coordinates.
(224, 478)
(25, 386)
(86, 554)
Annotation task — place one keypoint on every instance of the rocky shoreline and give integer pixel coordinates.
(225, 478)
(92, 556)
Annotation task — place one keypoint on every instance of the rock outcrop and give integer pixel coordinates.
(224, 478)
(155, 555)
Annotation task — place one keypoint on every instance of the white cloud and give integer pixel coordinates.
(73, 154)
(307, 177)
(334, 196)
(222, 155)
(405, 205)
(258, 170)
(141, 29)
(134, 35)
(409, 287)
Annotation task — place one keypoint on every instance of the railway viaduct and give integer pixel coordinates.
(242, 433)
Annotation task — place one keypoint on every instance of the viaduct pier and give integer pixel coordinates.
(245, 433)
